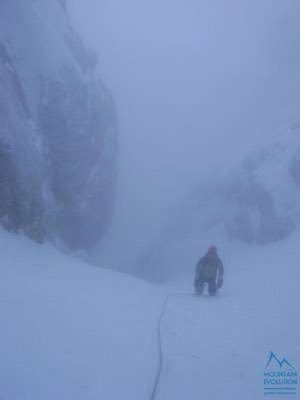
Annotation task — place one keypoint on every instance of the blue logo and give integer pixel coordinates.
(280, 377)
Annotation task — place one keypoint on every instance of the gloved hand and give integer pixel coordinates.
(220, 283)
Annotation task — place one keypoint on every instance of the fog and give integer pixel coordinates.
(196, 85)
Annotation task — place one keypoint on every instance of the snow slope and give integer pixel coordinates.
(73, 331)
(70, 331)
(217, 348)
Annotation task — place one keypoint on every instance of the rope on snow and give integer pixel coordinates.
(159, 341)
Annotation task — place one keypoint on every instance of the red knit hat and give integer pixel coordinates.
(212, 249)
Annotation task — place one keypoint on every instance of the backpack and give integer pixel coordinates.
(209, 269)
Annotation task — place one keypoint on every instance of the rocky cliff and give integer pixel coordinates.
(57, 128)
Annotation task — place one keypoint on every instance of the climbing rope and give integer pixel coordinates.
(159, 341)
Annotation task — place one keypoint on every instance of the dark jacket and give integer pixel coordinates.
(210, 267)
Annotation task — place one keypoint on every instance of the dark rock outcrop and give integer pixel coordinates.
(57, 129)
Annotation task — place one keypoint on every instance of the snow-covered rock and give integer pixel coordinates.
(57, 128)
(262, 195)
(257, 201)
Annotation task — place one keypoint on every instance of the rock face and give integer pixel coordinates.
(57, 129)
(263, 193)
(259, 200)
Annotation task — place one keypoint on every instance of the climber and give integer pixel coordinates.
(209, 270)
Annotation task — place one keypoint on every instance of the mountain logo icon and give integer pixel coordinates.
(281, 363)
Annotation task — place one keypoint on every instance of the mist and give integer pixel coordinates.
(149, 199)
(197, 85)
